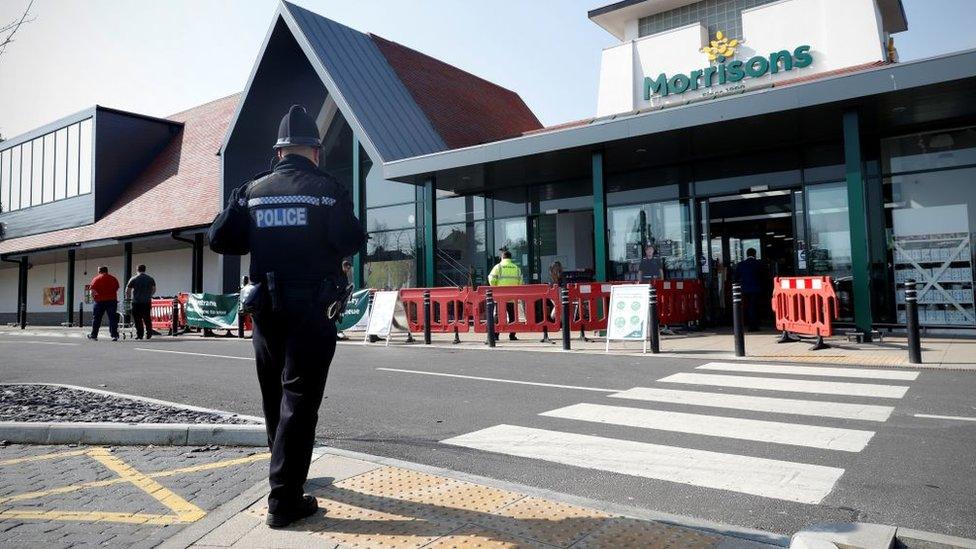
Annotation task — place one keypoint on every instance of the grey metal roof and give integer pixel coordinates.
(889, 78)
(379, 101)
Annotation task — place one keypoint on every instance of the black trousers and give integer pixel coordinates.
(751, 306)
(142, 318)
(293, 348)
(100, 308)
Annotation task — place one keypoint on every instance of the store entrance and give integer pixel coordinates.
(731, 226)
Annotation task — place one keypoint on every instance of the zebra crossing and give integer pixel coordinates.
(703, 393)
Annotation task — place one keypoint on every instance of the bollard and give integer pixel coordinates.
(240, 323)
(426, 317)
(81, 314)
(490, 312)
(176, 316)
(654, 327)
(564, 301)
(911, 323)
(739, 336)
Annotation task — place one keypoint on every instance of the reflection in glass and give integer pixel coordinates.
(461, 208)
(391, 217)
(380, 192)
(512, 234)
(926, 151)
(829, 252)
(461, 254)
(509, 202)
(666, 225)
(391, 261)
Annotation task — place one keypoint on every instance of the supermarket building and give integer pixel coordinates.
(787, 126)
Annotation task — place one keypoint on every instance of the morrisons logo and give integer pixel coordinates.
(728, 72)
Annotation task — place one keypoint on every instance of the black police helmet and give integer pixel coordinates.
(297, 128)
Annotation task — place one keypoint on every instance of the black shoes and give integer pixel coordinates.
(305, 508)
(91, 337)
(511, 337)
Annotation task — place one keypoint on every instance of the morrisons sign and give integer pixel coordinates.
(730, 72)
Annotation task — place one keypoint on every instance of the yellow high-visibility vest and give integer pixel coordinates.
(505, 273)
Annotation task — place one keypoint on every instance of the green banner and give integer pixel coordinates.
(212, 311)
(354, 317)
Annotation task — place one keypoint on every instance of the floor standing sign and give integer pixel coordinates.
(381, 321)
(629, 310)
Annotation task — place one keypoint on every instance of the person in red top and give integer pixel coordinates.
(105, 290)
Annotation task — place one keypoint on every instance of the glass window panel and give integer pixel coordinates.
(461, 258)
(5, 181)
(61, 164)
(666, 225)
(85, 175)
(927, 151)
(823, 163)
(73, 160)
(509, 202)
(48, 144)
(644, 186)
(461, 208)
(513, 235)
(15, 178)
(774, 169)
(380, 192)
(37, 172)
(829, 251)
(931, 220)
(391, 217)
(391, 260)
(25, 174)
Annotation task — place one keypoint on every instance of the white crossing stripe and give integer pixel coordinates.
(813, 436)
(790, 385)
(810, 370)
(771, 478)
(953, 418)
(841, 410)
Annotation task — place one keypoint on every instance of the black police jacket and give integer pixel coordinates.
(295, 221)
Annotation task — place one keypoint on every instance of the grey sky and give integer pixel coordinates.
(160, 57)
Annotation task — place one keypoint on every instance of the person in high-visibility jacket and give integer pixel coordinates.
(506, 273)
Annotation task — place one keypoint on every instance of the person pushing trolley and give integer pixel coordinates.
(297, 223)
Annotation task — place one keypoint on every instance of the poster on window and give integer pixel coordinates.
(53, 295)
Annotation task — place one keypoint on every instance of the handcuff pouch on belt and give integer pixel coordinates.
(334, 294)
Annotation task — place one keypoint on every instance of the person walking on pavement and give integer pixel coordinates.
(749, 275)
(105, 292)
(139, 291)
(506, 273)
(297, 223)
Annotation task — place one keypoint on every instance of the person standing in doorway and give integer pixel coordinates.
(105, 293)
(749, 275)
(506, 273)
(139, 291)
(651, 267)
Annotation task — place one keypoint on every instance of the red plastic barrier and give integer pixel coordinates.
(161, 312)
(679, 301)
(805, 305)
(532, 306)
(448, 309)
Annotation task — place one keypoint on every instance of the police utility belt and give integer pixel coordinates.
(331, 292)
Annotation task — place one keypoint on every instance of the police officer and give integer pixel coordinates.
(506, 273)
(297, 223)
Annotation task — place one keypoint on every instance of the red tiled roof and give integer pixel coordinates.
(463, 108)
(180, 188)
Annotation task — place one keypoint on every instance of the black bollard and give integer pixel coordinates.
(81, 314)
(739, 336)
(564, 301)
(426, 317)
(655, 326)
(176, 317)
(911, 323)
(490, 312)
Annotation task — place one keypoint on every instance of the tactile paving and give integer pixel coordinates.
(473, 536)
(544, 520)
(630, 533)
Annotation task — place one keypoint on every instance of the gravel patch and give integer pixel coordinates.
(48, 403)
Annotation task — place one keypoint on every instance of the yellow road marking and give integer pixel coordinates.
(183, 510)
(55, 455)
(118, 480)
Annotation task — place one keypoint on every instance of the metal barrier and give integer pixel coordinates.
(805, 305)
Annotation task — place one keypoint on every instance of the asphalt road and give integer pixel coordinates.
(866, 463)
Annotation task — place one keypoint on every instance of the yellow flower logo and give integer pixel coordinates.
(721, 47)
